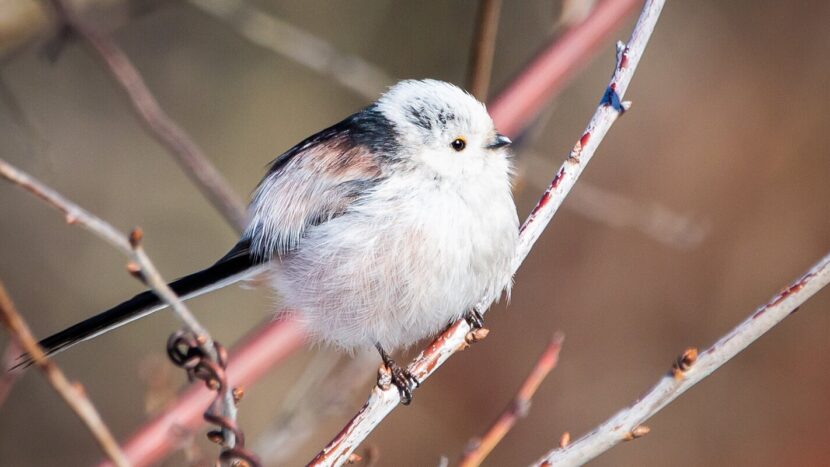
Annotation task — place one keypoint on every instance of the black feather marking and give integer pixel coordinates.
(369, 128)
(237, 260)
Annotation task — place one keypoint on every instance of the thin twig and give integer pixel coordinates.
(257, 26)
(518, 407)
(327, 395)
(72, 393)
(655, 220)
(186, 152)
(483, 48)
(381, 402)
(690, 369)
(140, 266)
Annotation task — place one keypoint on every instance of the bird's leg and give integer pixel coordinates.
(474, 318)
(401, 377)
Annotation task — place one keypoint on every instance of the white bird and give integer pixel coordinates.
(377, 231)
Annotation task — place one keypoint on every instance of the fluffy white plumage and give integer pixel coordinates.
(379, 230)
(406, 235)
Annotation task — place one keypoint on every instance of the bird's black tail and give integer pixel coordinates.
(234, 266)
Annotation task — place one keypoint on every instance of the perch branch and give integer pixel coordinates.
(140, 266)
(518, 407)
(690, 369)
(72, 393)
(483, 48)
(186, 152)
(381, 402)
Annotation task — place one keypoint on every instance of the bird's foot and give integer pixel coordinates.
(402, 378)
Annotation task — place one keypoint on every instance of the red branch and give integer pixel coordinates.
(517, 408)
(249, 361)
(554, 67)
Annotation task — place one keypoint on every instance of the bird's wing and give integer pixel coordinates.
(311, 183)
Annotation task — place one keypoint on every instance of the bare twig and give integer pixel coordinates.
(689, 369)
(480, 448)
(267, 31)
(545, 76)
(327, 394)
(72, 393)
(655, 220)
(187, 153)
(381, 402)
(140, 266)
(483, 48)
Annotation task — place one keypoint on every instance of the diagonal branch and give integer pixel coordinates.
(140, 266)
(381, 402)
(517, 408)
(72, 393)
(269, 32)
(187, 153)
(483, 48)
(690, 369)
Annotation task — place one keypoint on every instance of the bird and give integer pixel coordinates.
(378, 231)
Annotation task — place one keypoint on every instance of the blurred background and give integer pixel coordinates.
(706, 198)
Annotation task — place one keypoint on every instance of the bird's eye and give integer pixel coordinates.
(458, 144)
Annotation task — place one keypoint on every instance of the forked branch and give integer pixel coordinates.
(140, 267)
(689, 369)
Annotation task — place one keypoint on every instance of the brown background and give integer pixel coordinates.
(729, 128)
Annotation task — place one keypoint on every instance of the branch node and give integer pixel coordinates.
(684, 362)
(135, 270)
(637, 432)
(565, 440)
(354, 457)
(384, 378)
(476, 335)
(215, 436)
(136, 235)
(238, 394)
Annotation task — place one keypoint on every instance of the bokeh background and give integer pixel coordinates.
(706, 198)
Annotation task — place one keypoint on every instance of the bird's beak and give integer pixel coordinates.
(499, 141)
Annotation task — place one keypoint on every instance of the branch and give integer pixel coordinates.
(617, 210)
(316, 398)
(72, 393)
(187, 153)
(690, 369)
(249, 361)
(269, 32)
(381, 402)
(517, 408)
(553, 68)
(140, 266)
(483, 48)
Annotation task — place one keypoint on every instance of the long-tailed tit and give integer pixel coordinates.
(377, 231)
